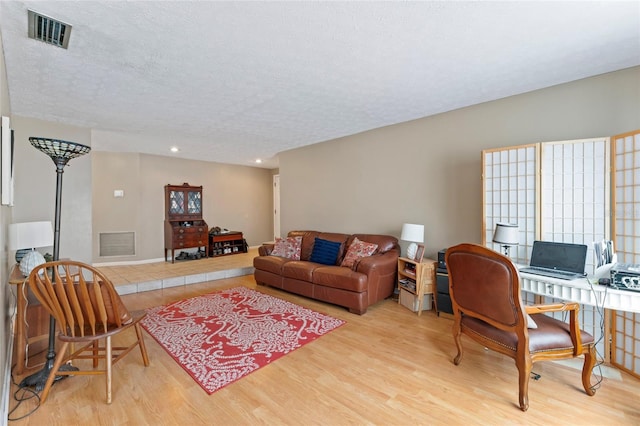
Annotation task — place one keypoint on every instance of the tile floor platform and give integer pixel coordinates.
(155, 276)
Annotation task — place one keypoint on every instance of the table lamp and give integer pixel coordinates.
(414, 234)
(506, 234)
(28, 236)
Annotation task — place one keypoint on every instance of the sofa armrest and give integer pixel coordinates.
(382, 264)
(265, 249)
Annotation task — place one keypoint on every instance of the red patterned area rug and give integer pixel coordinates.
(221, 337)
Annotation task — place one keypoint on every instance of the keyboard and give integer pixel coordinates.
(553, 273)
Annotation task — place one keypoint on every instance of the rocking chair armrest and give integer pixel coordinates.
(574, 327)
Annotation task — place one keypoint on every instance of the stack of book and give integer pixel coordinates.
(407, 284)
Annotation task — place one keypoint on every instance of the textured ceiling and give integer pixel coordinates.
(235, 81)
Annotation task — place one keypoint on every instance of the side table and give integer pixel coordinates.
(416, 278)
(20, 281)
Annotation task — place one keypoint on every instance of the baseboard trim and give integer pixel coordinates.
(139, 262)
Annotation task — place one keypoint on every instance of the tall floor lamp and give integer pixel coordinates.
(60, 152)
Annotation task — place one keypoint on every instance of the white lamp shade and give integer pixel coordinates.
(506, 234)
(413, 233)
(29, 235)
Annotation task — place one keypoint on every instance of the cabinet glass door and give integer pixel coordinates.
(176, 200)
(194, 205)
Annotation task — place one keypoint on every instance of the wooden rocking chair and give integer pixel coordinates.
(87, 309)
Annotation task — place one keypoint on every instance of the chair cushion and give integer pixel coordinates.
(551, 334)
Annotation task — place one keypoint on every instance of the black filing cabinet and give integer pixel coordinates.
(443, 299)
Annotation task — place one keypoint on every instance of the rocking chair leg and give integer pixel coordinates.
(143, 348)
(109, 361)
(52, 374)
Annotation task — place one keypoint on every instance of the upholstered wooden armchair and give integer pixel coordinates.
(485, 292)
(87, 309)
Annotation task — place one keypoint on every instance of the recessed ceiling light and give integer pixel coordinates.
(174, 149)
(258, 161)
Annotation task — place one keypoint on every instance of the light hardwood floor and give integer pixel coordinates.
(387, 367)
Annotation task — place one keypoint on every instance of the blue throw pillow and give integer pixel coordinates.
(325, 252)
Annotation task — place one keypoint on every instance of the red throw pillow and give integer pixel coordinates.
(288, 247)
(357, 250)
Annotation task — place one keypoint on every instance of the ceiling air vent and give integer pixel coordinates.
(48, 30)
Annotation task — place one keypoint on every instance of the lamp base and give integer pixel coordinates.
(39, 378)
(411, 251)
(30, 260)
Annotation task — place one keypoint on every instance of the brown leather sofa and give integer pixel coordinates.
(371, 279)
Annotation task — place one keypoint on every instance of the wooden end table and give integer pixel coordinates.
(20, 281)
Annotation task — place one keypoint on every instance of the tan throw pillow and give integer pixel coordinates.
(288, 247)
(357, 250)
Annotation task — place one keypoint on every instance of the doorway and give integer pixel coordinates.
(276, 206)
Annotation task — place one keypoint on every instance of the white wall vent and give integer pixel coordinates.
(48, 30)
(117, 244)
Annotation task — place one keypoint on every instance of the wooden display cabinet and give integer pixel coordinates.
(183, 224)
(417, 279)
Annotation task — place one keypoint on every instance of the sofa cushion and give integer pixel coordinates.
(271, 264)
(287, 247)
(357, 249)
(299, 270)
(325, 251)
(340, 277)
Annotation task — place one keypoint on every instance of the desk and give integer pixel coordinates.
(17, 279)
(581, 291)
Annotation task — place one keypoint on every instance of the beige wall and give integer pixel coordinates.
(35, 185)
(428, 171)
(6, 298)
(234, 197)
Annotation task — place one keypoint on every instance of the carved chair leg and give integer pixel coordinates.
(524, 372)
(457, 338)
(587, 369)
